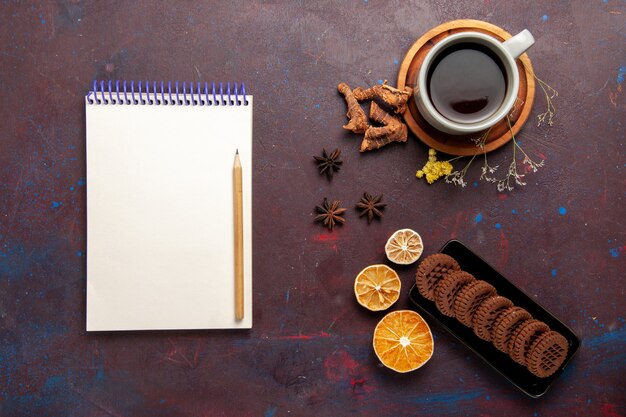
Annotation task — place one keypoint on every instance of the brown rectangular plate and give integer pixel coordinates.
(517, 374)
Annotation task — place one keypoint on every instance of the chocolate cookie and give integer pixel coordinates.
(486, 314)
(547, 354)
(505, 324)
(431, 270)
(447, 289)
(524, 337)
(469, 298)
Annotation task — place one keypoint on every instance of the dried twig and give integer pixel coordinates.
(549, 93)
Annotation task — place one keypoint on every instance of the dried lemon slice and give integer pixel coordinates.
(377, 287)
(403, 341)
(404, 247)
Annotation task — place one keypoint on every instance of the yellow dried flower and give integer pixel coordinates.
(434, 169)
(446, 168)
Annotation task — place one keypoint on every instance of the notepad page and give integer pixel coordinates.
(160, 233)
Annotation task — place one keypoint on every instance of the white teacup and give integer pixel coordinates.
(466, 75)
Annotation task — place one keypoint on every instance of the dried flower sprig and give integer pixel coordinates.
(513, 177)
(458, 177)
(534, 166)
(486, 170)
(549, 93)
(507, 183)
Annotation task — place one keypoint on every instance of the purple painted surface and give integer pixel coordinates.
(561, 238)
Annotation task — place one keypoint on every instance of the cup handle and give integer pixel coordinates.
(519, 43)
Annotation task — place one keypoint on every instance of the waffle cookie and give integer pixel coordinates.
(505, 325)
(486, 314)
(469, 298)
(431, 270)
(447, 289)
(547, 354)
(524, 337)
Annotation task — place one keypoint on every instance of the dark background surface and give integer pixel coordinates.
(561, 238)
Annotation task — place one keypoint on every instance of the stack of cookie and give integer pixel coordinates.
(494, 318)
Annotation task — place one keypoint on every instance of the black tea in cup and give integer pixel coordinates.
(467, 82)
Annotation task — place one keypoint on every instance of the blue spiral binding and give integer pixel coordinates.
(110, 93)
(132, 92)
(102, 99)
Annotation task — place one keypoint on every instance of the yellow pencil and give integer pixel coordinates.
(238, 203)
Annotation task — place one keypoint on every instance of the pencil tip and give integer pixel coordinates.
(237, 152)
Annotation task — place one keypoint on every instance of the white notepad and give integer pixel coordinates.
(160, 233)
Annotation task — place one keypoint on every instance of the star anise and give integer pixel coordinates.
(330, 214)
(328, 164)
(371, 205)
